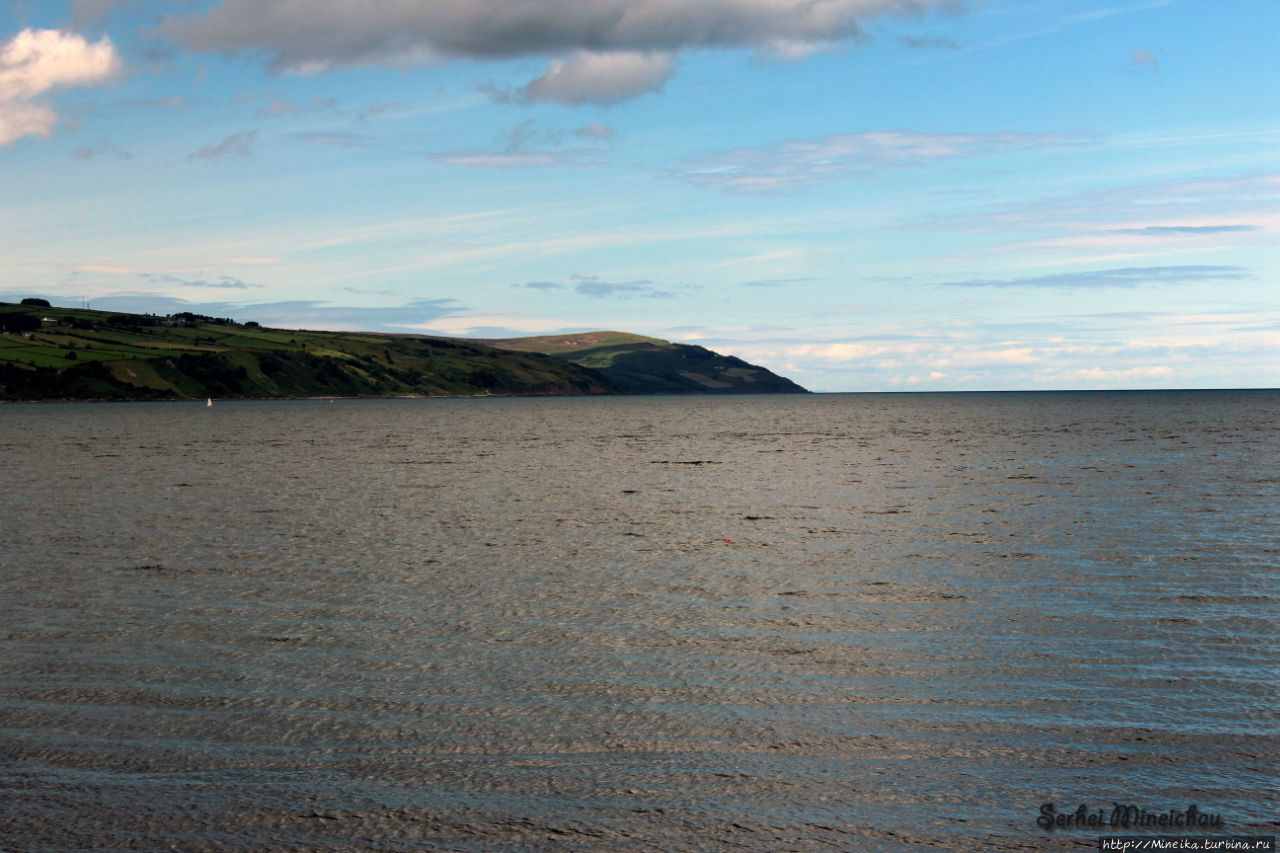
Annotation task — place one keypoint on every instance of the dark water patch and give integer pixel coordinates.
(517, 624)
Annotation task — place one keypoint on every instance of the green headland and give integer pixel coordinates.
(49, 353)
(654, 366)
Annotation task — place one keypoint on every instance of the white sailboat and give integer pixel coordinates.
(208, 402)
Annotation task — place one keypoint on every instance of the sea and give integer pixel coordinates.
(828, 622)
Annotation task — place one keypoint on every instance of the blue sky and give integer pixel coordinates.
(862, 195)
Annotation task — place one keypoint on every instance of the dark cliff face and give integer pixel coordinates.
(684, 369)
(652, 366)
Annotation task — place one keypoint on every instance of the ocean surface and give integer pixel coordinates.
(781, 623)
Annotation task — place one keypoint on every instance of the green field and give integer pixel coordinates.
(72, 353)
(51, 353)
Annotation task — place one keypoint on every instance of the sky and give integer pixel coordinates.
(861, 195)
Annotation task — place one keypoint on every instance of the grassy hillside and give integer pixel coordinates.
(654, 366)
(65, 353)
(77, 354)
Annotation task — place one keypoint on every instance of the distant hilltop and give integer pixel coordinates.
(49, 353)
(654, 366)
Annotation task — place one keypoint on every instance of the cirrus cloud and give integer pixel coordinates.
(590, 285)
(802, 164)
(1183, 230)
(223, 282)
(35, 62)
(1121, 277)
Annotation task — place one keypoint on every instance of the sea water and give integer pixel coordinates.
(825, 622)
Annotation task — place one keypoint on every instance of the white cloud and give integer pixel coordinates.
(35, 62)
(1099, 374)
(1174, 350)
(840, 352)
(601, 78)
(1000, 355)
(18, 119)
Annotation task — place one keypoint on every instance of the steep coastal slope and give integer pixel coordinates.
(654, 366)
